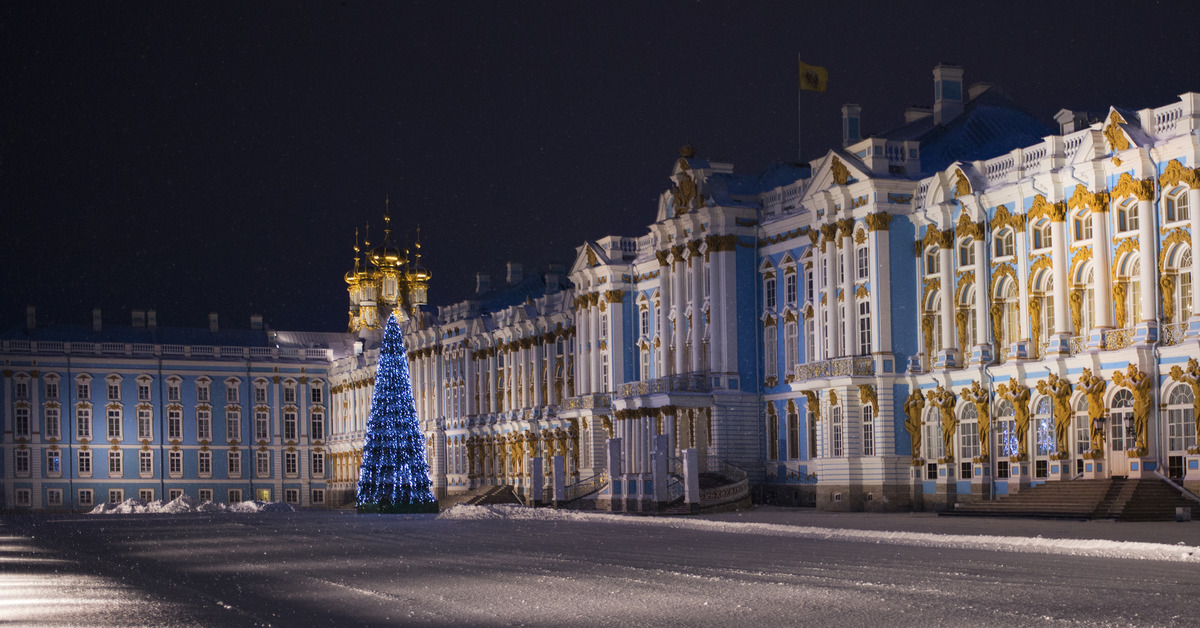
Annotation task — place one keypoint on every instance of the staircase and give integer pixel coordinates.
(1115, 498)
(481, 497)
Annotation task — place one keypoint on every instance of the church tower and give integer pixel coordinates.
(385, 282)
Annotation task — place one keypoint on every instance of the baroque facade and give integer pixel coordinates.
(963, 306)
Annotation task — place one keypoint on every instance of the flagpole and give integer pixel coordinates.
(799, 120)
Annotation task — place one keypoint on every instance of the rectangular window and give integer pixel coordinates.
(233, 424)
(52, 390)
(789, 288)
(24, 497)
(318, 427)
(145, 424)
(318, 464)
(863, 258)
(262, 463)
(235, 464)
(260, 393)
(146, 494)
(318, 496)
(291, 463)
(291, 496)
(204, 463)
(868, 430)
(143, 389)
(115, 466)
(85, 463)
(116, 495)
(174, 493)
(114, 424)
(203, 424)
(232, 393)
(262, 426)
(114, 392)
(21, 389)
(835, 432)
(769, 293)
(54, 463)
(289, 394)
(791, 347)
(202, 393)
(968, 442)
(289, 426)
(21, 462)
(175, 424)
(54, 497)
(644, 320)
(83, 423)
(145, 463)
(205, 494)
(173, 394)
(83, 390)
(21, 422)
(315, 394)
(175, 463)
(864, 328)
(85, 497)
(793, 434)
(770, 352)
(235, 495)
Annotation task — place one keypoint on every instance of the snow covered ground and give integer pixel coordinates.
(184, 504)
(516, 566)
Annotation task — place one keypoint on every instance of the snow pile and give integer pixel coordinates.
(1039, 545)
(186, 504)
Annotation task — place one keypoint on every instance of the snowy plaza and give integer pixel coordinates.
(497, 565)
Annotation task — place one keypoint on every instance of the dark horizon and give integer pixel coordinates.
(192, 159)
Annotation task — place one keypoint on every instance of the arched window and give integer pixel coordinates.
(966, 252)
(968, 439)
(1184, 299)
(1081, 226)
(1004, 243)
(1083, 441)
(1124, 434)
(1006, 433)
(1176, 204)
(772, 432)
(932, 261)
(1181, 426)
(1127, 215)
(1044, 445)
(931, 441)
(1040, 234)
(793, 431)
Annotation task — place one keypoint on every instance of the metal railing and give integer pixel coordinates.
(675, 486)
(585, 487)
(837, 367)
(146, 348)
(586, 402)
(684, 382)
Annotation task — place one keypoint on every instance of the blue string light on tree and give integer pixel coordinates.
(394, 477)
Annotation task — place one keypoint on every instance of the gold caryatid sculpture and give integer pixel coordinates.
(1018, 395)
(1138, 383)
(1093, 387)
(945, 400)
(1059, 389)
(979, 396)
(913, 406)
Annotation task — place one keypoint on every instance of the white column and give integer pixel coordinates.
(983, 296)
(849, 337)
(696, 265)
(829, 256)
(1149, 265)
(663, 323)
(678, 281)
(1022, 285)
(1101, 268)
(583, 376)
(539, 373)
(594, 356)
(946, 261)
(1193, 196)
(881, 280)
(1058, 267)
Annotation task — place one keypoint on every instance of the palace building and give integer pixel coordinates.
(959, 308)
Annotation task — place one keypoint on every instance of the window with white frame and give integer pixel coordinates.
(233, 392)
(1083, 440)
(262, 463)
(114, 389)
(145, 423)
(85, 463)
(83, 387)
(868, 430)
(233, 424)
(792, 419)
(791, 340)
(789, 286)
(290, 426)
(23, 497)
(146, 495)
(234, 464)
(291, 496)
(52, 387)
(85, 497)
(53, 422)
(770, 352)
(116, 495)
(21, 462)
(174, 386)
(864, 327)
(143, 389)
(836, 435)
(317, 427)
(863, 262)
(114, 422)
(1081, 226)
(1181, 428)
(21, 421)
(174, 423)
(968, 434)
(205, 494)
(54, 497)
(810, 340)
(933, 260)
(1005, 243)
(289, 392)
(203, 390)
(809, 286)
(769, 292)
(1176, 205)
(291, 463)
(1127, 215)
(318, 496)
(175, 463)
(145, 463)
(316, 394)
(115, 463)
(931, 441)
(966, 252)
(262, 425)
(1040, 234)
(54, 463)
(318, 464)
(260, 392)
(21, 388)
(204, 463)
(83, 422)
(204, 424)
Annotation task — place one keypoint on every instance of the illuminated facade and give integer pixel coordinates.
(963, 306)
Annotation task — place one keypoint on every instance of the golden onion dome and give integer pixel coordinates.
(388, 257)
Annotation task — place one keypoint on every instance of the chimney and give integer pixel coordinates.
(914, 113)
(851, 124)
(552, 280)
(30, 318)
(151, 319)
(947, 93)
(212, 322)
(483, 283)
(256, 321)
(96, 324)
(139, 318)
(514, 273)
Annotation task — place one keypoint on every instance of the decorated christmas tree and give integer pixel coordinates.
(394, 476)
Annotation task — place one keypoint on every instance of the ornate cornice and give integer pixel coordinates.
(966, 227)
(1175, 174)
(1128, 186)
(879, 221)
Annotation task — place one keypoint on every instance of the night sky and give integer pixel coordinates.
(194, 158)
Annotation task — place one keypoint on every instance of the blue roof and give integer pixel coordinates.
(531, 286)
(156, 335)
(723, 186)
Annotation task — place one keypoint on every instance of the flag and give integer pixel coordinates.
(813, 78)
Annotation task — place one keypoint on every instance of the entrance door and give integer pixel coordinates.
(1122, 433)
